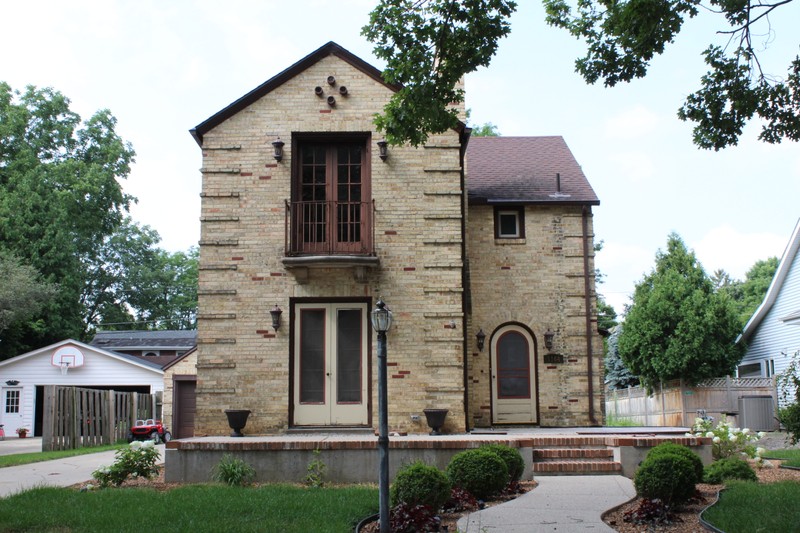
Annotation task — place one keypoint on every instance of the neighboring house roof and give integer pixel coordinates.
(179, 359)
(114, 355)
(525, 170)
(330, 48)
(146, 340)
(774, 289)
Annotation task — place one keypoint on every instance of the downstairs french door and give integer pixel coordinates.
(330, 364)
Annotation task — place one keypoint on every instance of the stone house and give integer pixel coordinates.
(482, 248)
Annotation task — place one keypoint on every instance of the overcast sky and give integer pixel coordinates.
(162, 67)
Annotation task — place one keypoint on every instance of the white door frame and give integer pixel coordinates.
(327, 410)
(514, 410)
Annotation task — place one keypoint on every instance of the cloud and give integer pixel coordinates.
(735, 252)
(635, 166)
(622, 265)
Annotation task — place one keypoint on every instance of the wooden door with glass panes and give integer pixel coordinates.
(514, 399)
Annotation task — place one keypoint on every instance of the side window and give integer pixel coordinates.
(509, 223)
(752, 370)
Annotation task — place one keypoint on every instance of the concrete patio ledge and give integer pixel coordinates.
(353, 458)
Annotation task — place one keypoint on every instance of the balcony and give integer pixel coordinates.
(329, 234)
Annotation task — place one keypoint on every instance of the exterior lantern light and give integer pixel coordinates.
(383, 149)
(548, 338)
(481, 337)
(277, 146)
(381, 318)
(276, 312)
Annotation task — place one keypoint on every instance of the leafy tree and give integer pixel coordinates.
(59, 198)
(22, 293)
(133, 284)
(617, 374)
(484, 130)
(747, 295)
(430, 44)
(677, 326)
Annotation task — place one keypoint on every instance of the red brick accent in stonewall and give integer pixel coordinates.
(551, 367)
(237, 258)
(265, 177)
(245, 173)
(325, 110)
(409, 269)
(405, 372)
(257, 278)
(275, 274)
(390, 232)
(505, 268)
(398, 376)
(271, 165)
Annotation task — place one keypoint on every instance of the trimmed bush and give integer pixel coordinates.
(683, 451)
(481, 472)
(511, 457)
(420, 484)
(668, 477)
(729, 468)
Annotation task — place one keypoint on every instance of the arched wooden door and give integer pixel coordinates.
(514, 391)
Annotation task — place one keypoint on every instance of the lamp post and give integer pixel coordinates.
(381, 318)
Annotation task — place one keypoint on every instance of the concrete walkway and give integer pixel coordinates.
(57, 473)
(558, 503)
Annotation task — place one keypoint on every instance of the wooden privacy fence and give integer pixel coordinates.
(746, 402)
(76, 418)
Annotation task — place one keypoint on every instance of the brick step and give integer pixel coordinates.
(577, 468)
(572, 453)
(579, 458)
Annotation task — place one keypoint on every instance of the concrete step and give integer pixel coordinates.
(576, 468)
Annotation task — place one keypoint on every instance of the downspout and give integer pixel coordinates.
(587, 285)
(466, 299)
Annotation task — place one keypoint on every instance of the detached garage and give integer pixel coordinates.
(67, 363)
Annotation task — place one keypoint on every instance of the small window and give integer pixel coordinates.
(151, 354)
(770, 368)
(12, 401)
(509, 223)
(752, 370)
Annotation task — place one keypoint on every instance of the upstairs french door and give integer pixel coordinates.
(330, 364)
(331, 199)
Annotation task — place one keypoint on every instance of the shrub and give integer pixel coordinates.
(479, 471)
(729, 468)
(727, 441)
(667, 477)
(315, 471)
(136, 460)
(233, 472)
(419, 483)
(683, 451)
(789, 417)
(511, 457)
(460, 500)
(405, 518)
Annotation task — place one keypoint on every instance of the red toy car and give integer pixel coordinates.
(149, 429)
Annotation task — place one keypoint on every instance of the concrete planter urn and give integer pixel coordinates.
(237, 419)
(435, 419)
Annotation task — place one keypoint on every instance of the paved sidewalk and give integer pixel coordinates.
(57, 473)
(558, 503)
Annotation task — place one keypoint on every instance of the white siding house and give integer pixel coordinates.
(772, 334)
(22, 378)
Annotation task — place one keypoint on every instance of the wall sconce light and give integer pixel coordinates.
(548, 339)
(383, 149)
(276, 312)
(12, 382)
(481, 338)
(277, 146)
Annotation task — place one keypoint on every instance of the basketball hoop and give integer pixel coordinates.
(64, 367)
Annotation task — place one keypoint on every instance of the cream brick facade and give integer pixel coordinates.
(418, 267)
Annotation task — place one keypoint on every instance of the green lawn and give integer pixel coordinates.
(35, 457)
(746, 507)
(195, 508)
(792, 456)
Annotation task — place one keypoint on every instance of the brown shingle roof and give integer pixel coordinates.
(523, 170)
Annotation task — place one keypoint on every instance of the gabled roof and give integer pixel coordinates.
(775, 288)
(326, 50)
(179, 359)
(129, 359)
(524, 170)
(146, 340)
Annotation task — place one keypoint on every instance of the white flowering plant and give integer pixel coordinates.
(728, 441)
(137, 460)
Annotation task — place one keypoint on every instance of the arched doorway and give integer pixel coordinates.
(514, 383)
